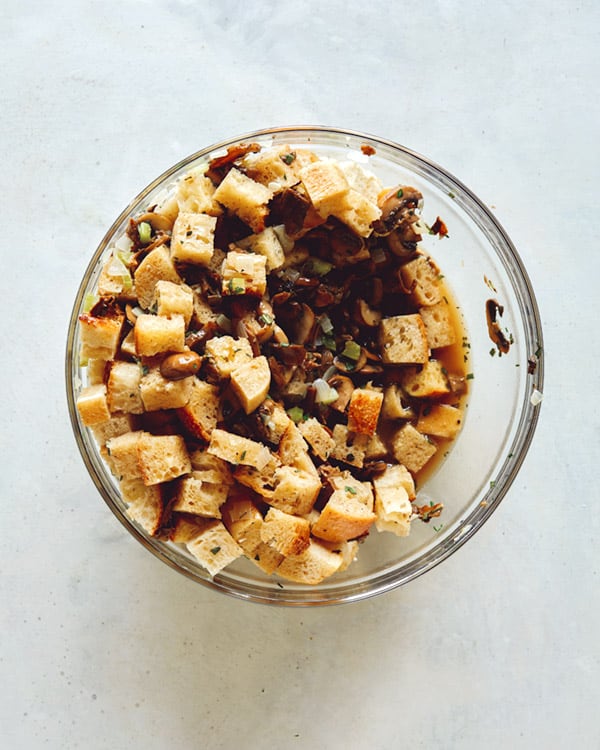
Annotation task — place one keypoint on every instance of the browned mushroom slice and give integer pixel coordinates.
(220, 166)
(344, 387)
(289, 354)
(396, 205)
(289, 207)
(347, 248)
(366, 315)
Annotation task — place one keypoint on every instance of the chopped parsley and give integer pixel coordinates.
(215, 550)
(288, 158)
(400, 193)
(350, 490)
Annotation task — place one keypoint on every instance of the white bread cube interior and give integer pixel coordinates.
(118, 424)
(403, 340)
(210, 468)
(200, 413)
(363, 410)
(145, 504)
(288, 534)
(276, 167)
(244, 197)
(440, 420)
(421, 277)
(393, 405)
(438, 324)
(429, 381)
(203, 312)
(185, 529)
(128, 344)
(166, 207)
(162, 458)
(312, 566)
(361, 180)
(275, 420)
(411, 448)
(92, 404)
(358, 212)
(227, 353)
(244, 522)
(394, 490)
(198, 497)
(173, 299)
(214, 547)
(159, 393)
(326, 186)
(193, 239)
(195, 194)
(95, 371)
(348, 551)
(350, 447)
(262, 481)
(155, 334)
(236, 449)
(100, 335)
(320, 439)
(296, 490)
(376, 448)
(251, 382)
(123, 388)
(156, 265)
(244, 273)
(348, 513)
(123, 454)
(266, 243)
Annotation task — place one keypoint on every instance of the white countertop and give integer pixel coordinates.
(103, 646)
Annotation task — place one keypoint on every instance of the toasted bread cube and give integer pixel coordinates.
(145, 504)
(274, 420)
(210, 468)
(295, 490)
(251, 382)
(421, 277)
(123, 454)
(318, 437)
(429, 381)
(440, 420)
(203, 312)
(244, 522)
(200, 413)
(92, 404)
(236, 449)
(393, 405)
(358, 212)
(159, 393)
(348, 551)
(95, 371)
(173, 299)
(193, 238)
(100, 335)
(288, 534)
(245, 198)
(326, 186)
(198, 497)
(214, 547)
(166, 207)
(156, 266)
(394, 490)
(348, 514)
(128, 344)
(350, 447)
(123, 388)
(312, 566)
(363, 410)
(227, 354)
(162, 458)
(195, 194)
(118, 424)
(185, 529)
(361, 180)
(403, 340)
(262, 481)
(244, 273)
(266, 243)
(293, 450)
(438, 324)
(411, 448)
(272, 166)
(155, 334)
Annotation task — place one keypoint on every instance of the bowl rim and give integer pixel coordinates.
(475, 518)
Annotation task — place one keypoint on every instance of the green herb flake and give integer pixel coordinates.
(215, 550)
(242, 455)
(145, 369)
(470, 376)
(288, 158)
(144, 232)
(452, 195)
(265, 319)
(492, 352)
(437, 529)
(350, 490)
(400, 193)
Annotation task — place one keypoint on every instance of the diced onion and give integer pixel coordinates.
(536, 397)
(324, 393)
(326, 324)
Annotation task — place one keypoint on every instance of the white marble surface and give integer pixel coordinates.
(102, 646)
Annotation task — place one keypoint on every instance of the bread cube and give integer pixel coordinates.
(245, 198)
(312, 566)
(375, 448)
(227, 354)
(440, 420)
(421, 277)
(122, 454)
(128, 344)
(411, 448)
(348, 514)
(214, 547)
(251, 382)
(393, 405)
(274, 420)
(361, 180)
(358, 212)
(123, 388)
(95, 371)
(295, 490)
(195, 194)
(200, 413)
(288, 534)
(318, 437)
(363, 410)
(275, 165)
(156, 266)
(203, 312)
(118, 424)
(266, 243)
(394, 490)
(173, 299)
(92, 404)
(438, 324)
(244, 522)
(347, 551)
(403, 340)
(326, 186)
(201, 498)
(162, 458)
(145, 504)
(100, 335)
(350, 447)
(244, 273)
(193, 238)
(262, 481)
(155, 334)
(210, 468)
(115, 279)
(429, 381)
(185, 529)
(236, 449)
(160, 393)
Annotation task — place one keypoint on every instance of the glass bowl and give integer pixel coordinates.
(479, 262)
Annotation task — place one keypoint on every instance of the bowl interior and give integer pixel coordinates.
(479, 262)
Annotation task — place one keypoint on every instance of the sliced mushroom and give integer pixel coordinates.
(366, 315)
(289, 354)
(396, 206)
(393, 406)
(344, 387)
